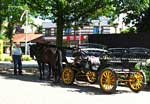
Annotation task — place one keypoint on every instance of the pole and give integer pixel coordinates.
(26, 45)
(79, 35)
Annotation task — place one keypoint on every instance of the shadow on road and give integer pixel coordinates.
(77, 87)
(147, 88)
(84, 87)
(24, 77)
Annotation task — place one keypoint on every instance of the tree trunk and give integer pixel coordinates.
(10, 29)
(60, 27)
(11, 46)
(1, 22)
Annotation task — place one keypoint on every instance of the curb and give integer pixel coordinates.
(27, 66)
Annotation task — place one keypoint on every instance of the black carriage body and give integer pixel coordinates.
(108, 72)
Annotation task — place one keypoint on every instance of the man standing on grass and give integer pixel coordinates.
(16, 56)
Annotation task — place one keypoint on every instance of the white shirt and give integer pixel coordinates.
(17, 51)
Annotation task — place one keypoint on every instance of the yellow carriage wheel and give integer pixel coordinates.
(136, 81)
(68, 75)
(91, 76)
(108, 81)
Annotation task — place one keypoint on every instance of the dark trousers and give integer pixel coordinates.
(17, 64)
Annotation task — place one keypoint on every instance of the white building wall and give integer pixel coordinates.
(102, 23)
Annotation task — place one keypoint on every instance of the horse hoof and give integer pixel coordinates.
(51, 77)
(40, 78)
(56, 81)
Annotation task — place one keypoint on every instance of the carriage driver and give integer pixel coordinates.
(16, 56)
(77, 54)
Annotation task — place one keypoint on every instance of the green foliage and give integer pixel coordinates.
(66, 12)
(26, 58)
(1, 58)
(11, 12)
(129, 30)
(74, 13)
(8, 58)
(2, 36)
(148, 62)
(132, 8)
(143, 66)
(143, 24)
(3, 13)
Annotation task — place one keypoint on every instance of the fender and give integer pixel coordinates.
(145, 80)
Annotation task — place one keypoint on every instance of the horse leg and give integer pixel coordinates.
(49, 71)
(40, 70)
(58, 66)
(56, 74)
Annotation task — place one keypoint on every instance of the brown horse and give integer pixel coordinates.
(47, 54)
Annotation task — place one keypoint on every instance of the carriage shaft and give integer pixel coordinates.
(125, 80)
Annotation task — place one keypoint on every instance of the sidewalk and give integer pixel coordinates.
(26, 65)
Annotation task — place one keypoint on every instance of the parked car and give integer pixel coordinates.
(139, 52)
(118, 52)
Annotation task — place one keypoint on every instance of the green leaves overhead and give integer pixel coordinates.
(69, 12)
(132, 8)
(66, 12)
(72, 10)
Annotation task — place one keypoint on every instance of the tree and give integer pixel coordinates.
(129, 30)
(11, 12)
(66, 12)
(132, 8)
(3, 11)
(143, 24)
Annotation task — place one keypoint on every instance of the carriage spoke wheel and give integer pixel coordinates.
(68, 75)
(136, 81)
(108, 81)
(91, 77)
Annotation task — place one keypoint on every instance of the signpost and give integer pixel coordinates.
(26, 30)
(1, 49)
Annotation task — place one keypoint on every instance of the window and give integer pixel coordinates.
(96, 30)
(48, 32)
(68, 31)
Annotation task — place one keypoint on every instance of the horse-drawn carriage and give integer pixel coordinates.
(103, 71)
(90, 63)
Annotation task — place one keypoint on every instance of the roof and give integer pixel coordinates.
(38, 40)
(22, 37)
(93, 49)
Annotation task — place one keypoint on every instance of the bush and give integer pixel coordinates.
(26, 58)
(1, 58)
(148, 62)
(146, 68)
(129, 30)
(8, 58)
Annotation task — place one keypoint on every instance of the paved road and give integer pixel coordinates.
(27, 89)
